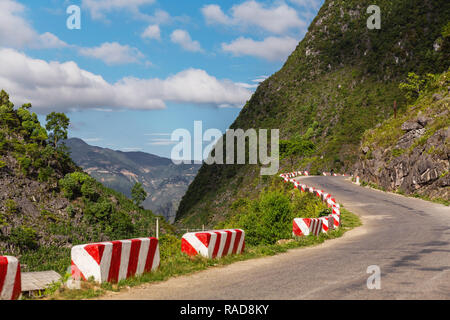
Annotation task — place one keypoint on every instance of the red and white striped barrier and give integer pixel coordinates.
(113, 261)
(301, 226)
(306, 226)
(213, 244)
(10, 281)
(328, 223)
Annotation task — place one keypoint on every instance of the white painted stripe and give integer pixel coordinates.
(156, 258)
(196, 243)
(85, 263)
(223, 239)
(124, 259)
(232, 242)
(241, 242)
(143, 252)
(10, 277)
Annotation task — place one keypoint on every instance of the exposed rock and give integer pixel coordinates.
(437, 97)
(411, 125)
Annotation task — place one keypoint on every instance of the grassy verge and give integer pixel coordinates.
(174, 263)
(401, 192)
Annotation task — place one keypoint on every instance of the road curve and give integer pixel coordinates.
(409, 239)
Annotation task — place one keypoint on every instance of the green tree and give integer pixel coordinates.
(57, 124)
(297, 147)
(138, 193)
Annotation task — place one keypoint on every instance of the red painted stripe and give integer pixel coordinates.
(134, 257)
(217, 245)
(187, 248)
(96, 251)
(76, 273)
(3, 271)
(227, 242)
(17, 285)
(237, 240)
(151, 254)
(113, 275)
(204, 237)
(296, 230)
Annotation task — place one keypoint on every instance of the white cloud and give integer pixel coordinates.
(59, 86)
(308, 4)
(152, 32)
(162, 142)
(16, 31)
(113, 53)
(260, 79)
(275, 19)
(271, 48)
(183, 38)
(247, 85)
(98, 8)
(49, 40)
(214, 14)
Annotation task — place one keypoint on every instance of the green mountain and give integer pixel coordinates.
(164, 182)
(48, 204)
(341, 80)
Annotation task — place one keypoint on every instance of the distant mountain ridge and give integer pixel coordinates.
(164, 181)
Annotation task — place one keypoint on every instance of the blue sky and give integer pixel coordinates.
(139, 69)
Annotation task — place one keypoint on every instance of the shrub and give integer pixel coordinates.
(267, 219)
(72, 184)
(89, 191)
(45, 174)
(24, 237)
(98, 212)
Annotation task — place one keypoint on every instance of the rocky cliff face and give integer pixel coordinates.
(411, 154)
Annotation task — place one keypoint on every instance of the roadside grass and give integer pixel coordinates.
(175, 263)
(401, 192)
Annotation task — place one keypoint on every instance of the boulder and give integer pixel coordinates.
(411, 125)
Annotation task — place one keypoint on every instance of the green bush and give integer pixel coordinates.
(89, 191)
(45, 174)
(24, 238)
(72, 184)
(98, 212)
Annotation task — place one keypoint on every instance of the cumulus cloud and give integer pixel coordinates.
(271, 48)
(152, 32)
(16, 31)
(183, 38)
(64, 86)
(278, 18)
(113, 53)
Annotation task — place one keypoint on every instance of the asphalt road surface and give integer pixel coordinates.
(407, 238)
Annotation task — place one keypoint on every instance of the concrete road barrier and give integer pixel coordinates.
(306, 226)
(113, 261)
(213, 244)
(10, 280)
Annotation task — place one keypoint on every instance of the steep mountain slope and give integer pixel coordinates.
(411, 153)
(48, 204)
(341, 80)
(164, 182)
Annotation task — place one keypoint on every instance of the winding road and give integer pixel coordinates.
(409, 239)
